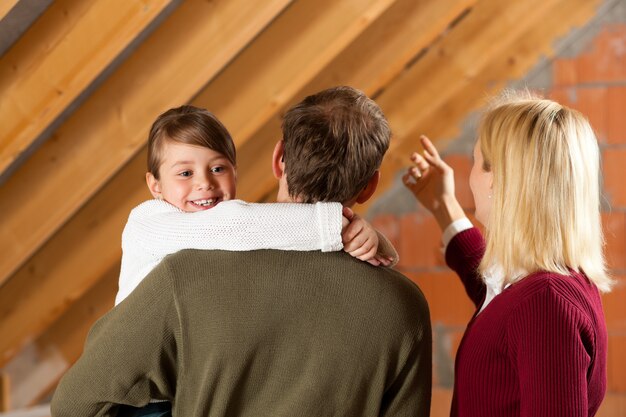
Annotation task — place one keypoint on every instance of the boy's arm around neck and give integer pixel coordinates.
(156, 229)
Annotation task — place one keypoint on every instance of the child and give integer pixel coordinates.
(192, 176)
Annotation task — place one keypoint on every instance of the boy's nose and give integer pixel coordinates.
(204, 184)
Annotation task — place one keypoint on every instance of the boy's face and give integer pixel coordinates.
(193, 178)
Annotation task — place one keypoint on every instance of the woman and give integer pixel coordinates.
(537, 344)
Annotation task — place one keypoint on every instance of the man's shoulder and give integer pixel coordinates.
(324, 268)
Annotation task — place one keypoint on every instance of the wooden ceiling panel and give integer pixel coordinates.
(447, 83)
(169, 68)
(289, 54)
(6, 6)
(515, 60)
(375, 59)
(77, 41)
(70, 263)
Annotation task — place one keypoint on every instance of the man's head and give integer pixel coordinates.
(333, 144)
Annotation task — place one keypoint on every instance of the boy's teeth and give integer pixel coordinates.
(204, 202)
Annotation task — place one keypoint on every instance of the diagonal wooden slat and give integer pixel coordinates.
(370, 63)
(67, 266)
(37, 86)
(6, 6)
(168, 69)
(414, 101)
(515, 60)
(466, 51)
(287, 56)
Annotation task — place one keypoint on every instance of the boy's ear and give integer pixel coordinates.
(369, 189)
(153, 186)
(278, 164)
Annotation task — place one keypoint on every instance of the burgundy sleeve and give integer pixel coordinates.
(463, 255)
(551, 344)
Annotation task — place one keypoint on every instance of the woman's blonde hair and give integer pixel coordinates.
(545, 211)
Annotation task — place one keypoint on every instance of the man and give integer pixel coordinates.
(269, 332)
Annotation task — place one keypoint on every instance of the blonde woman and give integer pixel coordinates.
(537, 343)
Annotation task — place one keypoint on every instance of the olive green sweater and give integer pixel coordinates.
(261, 333)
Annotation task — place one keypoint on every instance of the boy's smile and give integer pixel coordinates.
(193, 178)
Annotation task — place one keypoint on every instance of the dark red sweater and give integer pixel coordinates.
(537, 350)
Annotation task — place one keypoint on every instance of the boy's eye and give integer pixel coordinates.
(185, 174)
(217, 169)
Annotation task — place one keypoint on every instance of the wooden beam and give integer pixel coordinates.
(413, 102)
(6, 6)
(37, 87)
(68, 265)
(45, 268)
(168, 69)
(285, 58)
(464, 52)
(36, 371)
(373, 60)
(517, 58)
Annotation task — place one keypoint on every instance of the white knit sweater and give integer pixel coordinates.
(156, 229)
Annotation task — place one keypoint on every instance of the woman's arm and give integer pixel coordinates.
(431, 180)
(463, 255)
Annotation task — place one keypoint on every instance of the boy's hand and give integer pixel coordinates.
(360, 239)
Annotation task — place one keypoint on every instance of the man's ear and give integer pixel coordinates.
(154, 186)
(278, 164)
(369, 189)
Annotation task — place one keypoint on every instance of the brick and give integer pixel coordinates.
(448, 302)
(420, 241)
(564, 72)
(563, 95)
(455, 342)
(388, 225)
(614, 172)
(616, 363)
(615, 307)
(590, 101)
(614, 404)
(606, 60)
(616, 115)
(441, 402)
(614, 225)
(593, 103)
(462, 166)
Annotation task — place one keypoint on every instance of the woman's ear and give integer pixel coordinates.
(278, 163)
(154, 186)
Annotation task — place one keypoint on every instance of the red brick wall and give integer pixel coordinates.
(594, 82)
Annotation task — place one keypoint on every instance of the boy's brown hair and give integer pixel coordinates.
(334, 141)
(192, 126)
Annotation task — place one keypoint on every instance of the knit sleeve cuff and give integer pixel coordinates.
(329, 216)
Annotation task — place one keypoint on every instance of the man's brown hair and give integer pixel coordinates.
(334, 141)
(192, 126)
